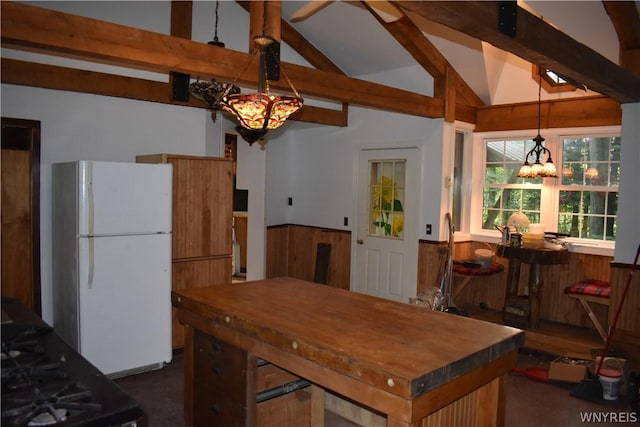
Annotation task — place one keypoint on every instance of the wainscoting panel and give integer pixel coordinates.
(292, 249)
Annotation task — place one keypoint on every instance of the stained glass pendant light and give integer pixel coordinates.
(537, 169)
(262, 110)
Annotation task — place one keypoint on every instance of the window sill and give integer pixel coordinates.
(577, 247)
(591, 249)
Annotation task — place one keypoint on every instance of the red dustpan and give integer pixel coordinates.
(535, 373)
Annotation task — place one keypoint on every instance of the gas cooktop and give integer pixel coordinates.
(45, 382)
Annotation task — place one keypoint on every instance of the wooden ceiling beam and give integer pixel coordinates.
(181, 18)
(625, 18)
(309, 9)
(561, 113)
(407, 33)
(535, 41)
(264, 18)
(27, 27)
(73, 80)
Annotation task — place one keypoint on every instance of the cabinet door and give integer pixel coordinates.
(202, 207)
(196, 274)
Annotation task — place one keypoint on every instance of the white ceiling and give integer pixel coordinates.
(353, 39)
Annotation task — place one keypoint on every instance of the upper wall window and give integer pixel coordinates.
(551, 81)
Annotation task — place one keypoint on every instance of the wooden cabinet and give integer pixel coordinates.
(202, 223)
(226, 380)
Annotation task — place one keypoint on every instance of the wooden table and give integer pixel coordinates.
(402, 360)
(536, 257)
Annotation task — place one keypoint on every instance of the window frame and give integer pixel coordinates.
(466, 180)
(550, 187)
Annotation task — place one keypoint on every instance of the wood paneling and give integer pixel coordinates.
(629, 320)
(20, 233)
(17, 252)
(431, 258)
(292, 249)
(202, 201)
(196, 274)
(277, 251)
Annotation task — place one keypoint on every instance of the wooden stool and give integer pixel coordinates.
(470, 273)
(591, 290)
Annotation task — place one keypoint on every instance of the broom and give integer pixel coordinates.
(591, 388)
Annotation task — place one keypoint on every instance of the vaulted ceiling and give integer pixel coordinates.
(456, 43)
(361, 46)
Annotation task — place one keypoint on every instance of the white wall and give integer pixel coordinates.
(628, 233)
(90, 127)
(279, 161)
(317, 166)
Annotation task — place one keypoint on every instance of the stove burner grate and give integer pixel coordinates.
(47, 407)
(31, 373)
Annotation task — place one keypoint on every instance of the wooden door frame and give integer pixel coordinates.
(34, 127)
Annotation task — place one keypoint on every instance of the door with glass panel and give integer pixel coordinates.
(387, 235)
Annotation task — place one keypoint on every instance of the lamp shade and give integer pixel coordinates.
(261, 110)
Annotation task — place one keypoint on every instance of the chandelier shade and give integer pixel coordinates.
(261, 110)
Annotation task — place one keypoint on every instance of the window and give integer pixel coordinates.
(583, 202)
(588, 194)
(386, 198)
(504, 193)
(551, 81)
(458, 179)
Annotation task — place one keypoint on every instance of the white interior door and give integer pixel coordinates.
(386, 249)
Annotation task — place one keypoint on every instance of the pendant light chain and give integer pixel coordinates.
(539, 99)
(538, 170)
(215, 35)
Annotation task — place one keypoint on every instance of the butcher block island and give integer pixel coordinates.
(414, 366)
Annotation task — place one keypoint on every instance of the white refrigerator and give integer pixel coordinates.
(111, 259)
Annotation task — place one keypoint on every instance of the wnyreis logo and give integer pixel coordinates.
(609, 417)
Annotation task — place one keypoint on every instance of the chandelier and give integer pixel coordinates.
(262, 110)
(255, 113)
(537, 169)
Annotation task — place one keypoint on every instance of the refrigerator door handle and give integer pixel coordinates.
(91, 264)
(89, 182)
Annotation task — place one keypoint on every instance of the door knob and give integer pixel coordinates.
(359, 241)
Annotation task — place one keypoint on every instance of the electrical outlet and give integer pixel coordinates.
(346, 221)
(290, 201)
(428, 229)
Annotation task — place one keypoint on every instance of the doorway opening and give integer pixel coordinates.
(20, 207)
